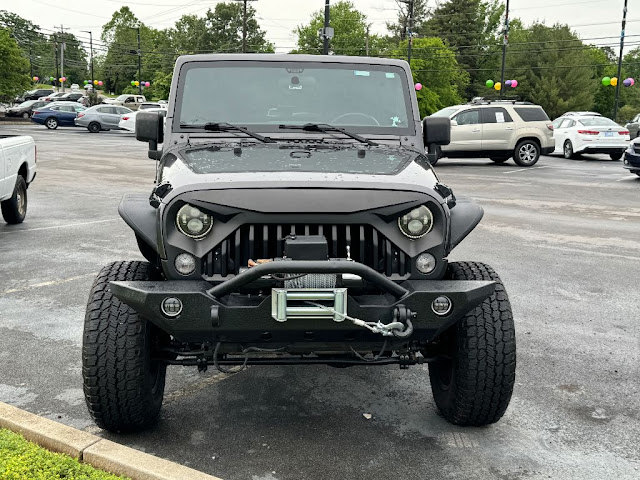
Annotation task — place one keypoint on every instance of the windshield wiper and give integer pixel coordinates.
(325, 127)
(228, 127)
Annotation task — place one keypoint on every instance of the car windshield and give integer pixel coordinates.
(446, 112)
(122, 98)
(28, 103)
(598, 122)
(262, 95)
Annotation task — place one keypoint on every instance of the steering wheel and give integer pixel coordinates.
(359, 114)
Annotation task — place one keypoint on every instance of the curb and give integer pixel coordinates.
(93, 450)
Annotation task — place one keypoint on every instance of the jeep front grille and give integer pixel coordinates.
(368, 246)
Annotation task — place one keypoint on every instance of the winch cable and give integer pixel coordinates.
(365, 359)
(386, 330)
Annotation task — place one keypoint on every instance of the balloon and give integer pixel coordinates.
(148, 84)
(100, 82)
(626, 82)
(35, 79)
(489, 83)
(133, 82)
(85, 82)
(417, 85)
(606, 81)
(507, 83)
(95, 82)
(514, 83)
(137, 83)
(614, 81)
(632, 81)
(497, 86)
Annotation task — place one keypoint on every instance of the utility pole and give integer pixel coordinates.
(325, 39)
(624, 25)
(367, 41)
(63, 45)
(409, 3)
(30, 60)
(55, 49)
(504, 48)
(139, 63)
(91, 54)
(244, 24)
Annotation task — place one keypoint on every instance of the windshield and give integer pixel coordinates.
(263, 95)
(446, 112)
(598, 122)
(28, 103)
(122, 98)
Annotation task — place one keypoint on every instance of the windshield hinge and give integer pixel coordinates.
(447, 194)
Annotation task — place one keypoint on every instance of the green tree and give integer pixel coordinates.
(420, 15)
(434, 65)
(14, 67)
(190, 35)
(351, 33)
(224, 25)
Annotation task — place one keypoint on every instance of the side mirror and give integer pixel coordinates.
(436, 131)
(150, 128)
(454, 123)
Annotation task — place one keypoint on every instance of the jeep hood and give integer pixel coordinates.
(277, 166)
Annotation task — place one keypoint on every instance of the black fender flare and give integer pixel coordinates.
(463, 219)
(136, 211)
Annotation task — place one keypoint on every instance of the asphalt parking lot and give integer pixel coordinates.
(564, 235)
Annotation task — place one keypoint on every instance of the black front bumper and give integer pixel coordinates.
(220, 314)
(632, 160)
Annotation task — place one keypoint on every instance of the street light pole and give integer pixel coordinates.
(325, 40)
(505, 41)
(624, 25)
(91, 50)
(409, 28)
(139, 64)
(244, 23)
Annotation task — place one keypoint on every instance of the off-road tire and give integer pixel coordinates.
(616, 156)
(123, 387)
(51, 123)
(499, 160)
(527, 153)
(567, 150)
(473, 387)
(14, 209)
(94, 127)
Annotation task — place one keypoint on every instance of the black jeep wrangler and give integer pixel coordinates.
(295, 220)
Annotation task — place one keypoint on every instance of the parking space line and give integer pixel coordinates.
(528, 169)
(47, 284)
(68, 225)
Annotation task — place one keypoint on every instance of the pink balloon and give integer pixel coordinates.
(147, 84)
(100, 82)
(418, 86)
(514, 83)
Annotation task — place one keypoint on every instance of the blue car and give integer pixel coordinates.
(57, 114)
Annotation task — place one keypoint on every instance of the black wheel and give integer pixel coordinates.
(25, 115)
(499, 159)
(94, 127)
(616, 156)
(474, 385)
(123, 386)
(527, 153)
(15, 208)
(567, 150)
(51, 123)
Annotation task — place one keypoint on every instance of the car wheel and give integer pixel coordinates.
(51, 123)
(15, 208)
(25, 115)
(473, 382)
(123, 384)
(94, 127)
(616, 156)
(527, 153)
(499, 159)
(567, 150)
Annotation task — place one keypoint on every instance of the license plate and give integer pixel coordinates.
(609, 134)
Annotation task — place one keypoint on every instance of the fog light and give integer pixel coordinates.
(441, 305)
(171, 306)
(425, 263)
(185, 264)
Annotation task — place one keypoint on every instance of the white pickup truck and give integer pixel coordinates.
(17, 171)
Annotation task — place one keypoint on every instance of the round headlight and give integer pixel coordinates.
(417, 223)
(185, 264)
(193, 222)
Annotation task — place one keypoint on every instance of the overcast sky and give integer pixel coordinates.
(589, 18)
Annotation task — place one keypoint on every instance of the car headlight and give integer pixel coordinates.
(417, 223)
(193, 223)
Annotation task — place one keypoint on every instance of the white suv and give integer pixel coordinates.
(498, 130)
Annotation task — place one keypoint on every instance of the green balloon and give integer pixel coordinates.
(133, 83)
(85, 82)
(606, 81)
(489, 83)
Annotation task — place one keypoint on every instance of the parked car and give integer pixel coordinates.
(130, 101)
(128, 120)
(17, 171)
(581, 114)
(632, 157)
(54, 96)
(70, 97)
(634, 127)
(498, 130)
(34, 94)
(101, 117)
(150, 105)
(590, 134)
(58, 114)
(74, 87)
(25, 109)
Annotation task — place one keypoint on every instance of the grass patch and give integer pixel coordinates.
(23, 460)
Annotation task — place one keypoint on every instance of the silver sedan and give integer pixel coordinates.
(101, 117)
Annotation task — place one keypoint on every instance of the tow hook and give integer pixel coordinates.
(403, 315)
